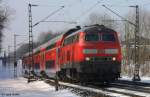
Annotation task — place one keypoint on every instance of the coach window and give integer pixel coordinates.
(68, 40)
(51, 46)
(50, 64)
(37, 66)
(64, 43)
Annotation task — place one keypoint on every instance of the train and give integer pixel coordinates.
(90, 53)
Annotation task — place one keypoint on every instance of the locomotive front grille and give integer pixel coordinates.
(101, 59)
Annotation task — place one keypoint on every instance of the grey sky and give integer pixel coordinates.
(75, 10)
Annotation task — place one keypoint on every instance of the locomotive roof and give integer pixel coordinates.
(93, 28)
(97, 28)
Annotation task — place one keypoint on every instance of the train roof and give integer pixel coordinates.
(52, 41)
(92, 28)
(96, 28)
(26, 54)
(71, 32)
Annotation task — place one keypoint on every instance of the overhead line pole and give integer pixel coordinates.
(9, 58)
(31, 34)
(136, 76)
(15, 61)
(30, 40)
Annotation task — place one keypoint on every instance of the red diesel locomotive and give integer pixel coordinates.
(91, 53)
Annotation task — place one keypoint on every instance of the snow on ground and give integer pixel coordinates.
(145, 79)
(131, 92)
(7, 71)
(20, 88)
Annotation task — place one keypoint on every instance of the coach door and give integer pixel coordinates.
(57, 58)
(42, 60)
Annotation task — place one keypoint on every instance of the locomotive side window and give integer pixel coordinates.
(72, 39)
(108, 37)
(76, 38)
(92, 37)
(67, 41)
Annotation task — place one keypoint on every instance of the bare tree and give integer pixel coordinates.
(144, 41)
(4, 13)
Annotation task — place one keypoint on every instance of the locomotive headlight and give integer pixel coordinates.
(90, 51)
(87, 59)
(114, 58)
(111, 51)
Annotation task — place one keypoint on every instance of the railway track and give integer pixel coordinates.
(102, 91)
(133, 83)
(120, 88)
(131, 87)
(87, 91)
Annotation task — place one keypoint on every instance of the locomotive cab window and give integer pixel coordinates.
(108, 37)
(92, 37)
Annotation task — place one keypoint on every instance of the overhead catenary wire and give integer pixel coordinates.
(52, 13)
(49, 16)
(88, 10)
(70, 22)
(119, 15)
(116, 5)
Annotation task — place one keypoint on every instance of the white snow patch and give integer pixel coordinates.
(20, 88)
(145, 79)
(130, 91)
